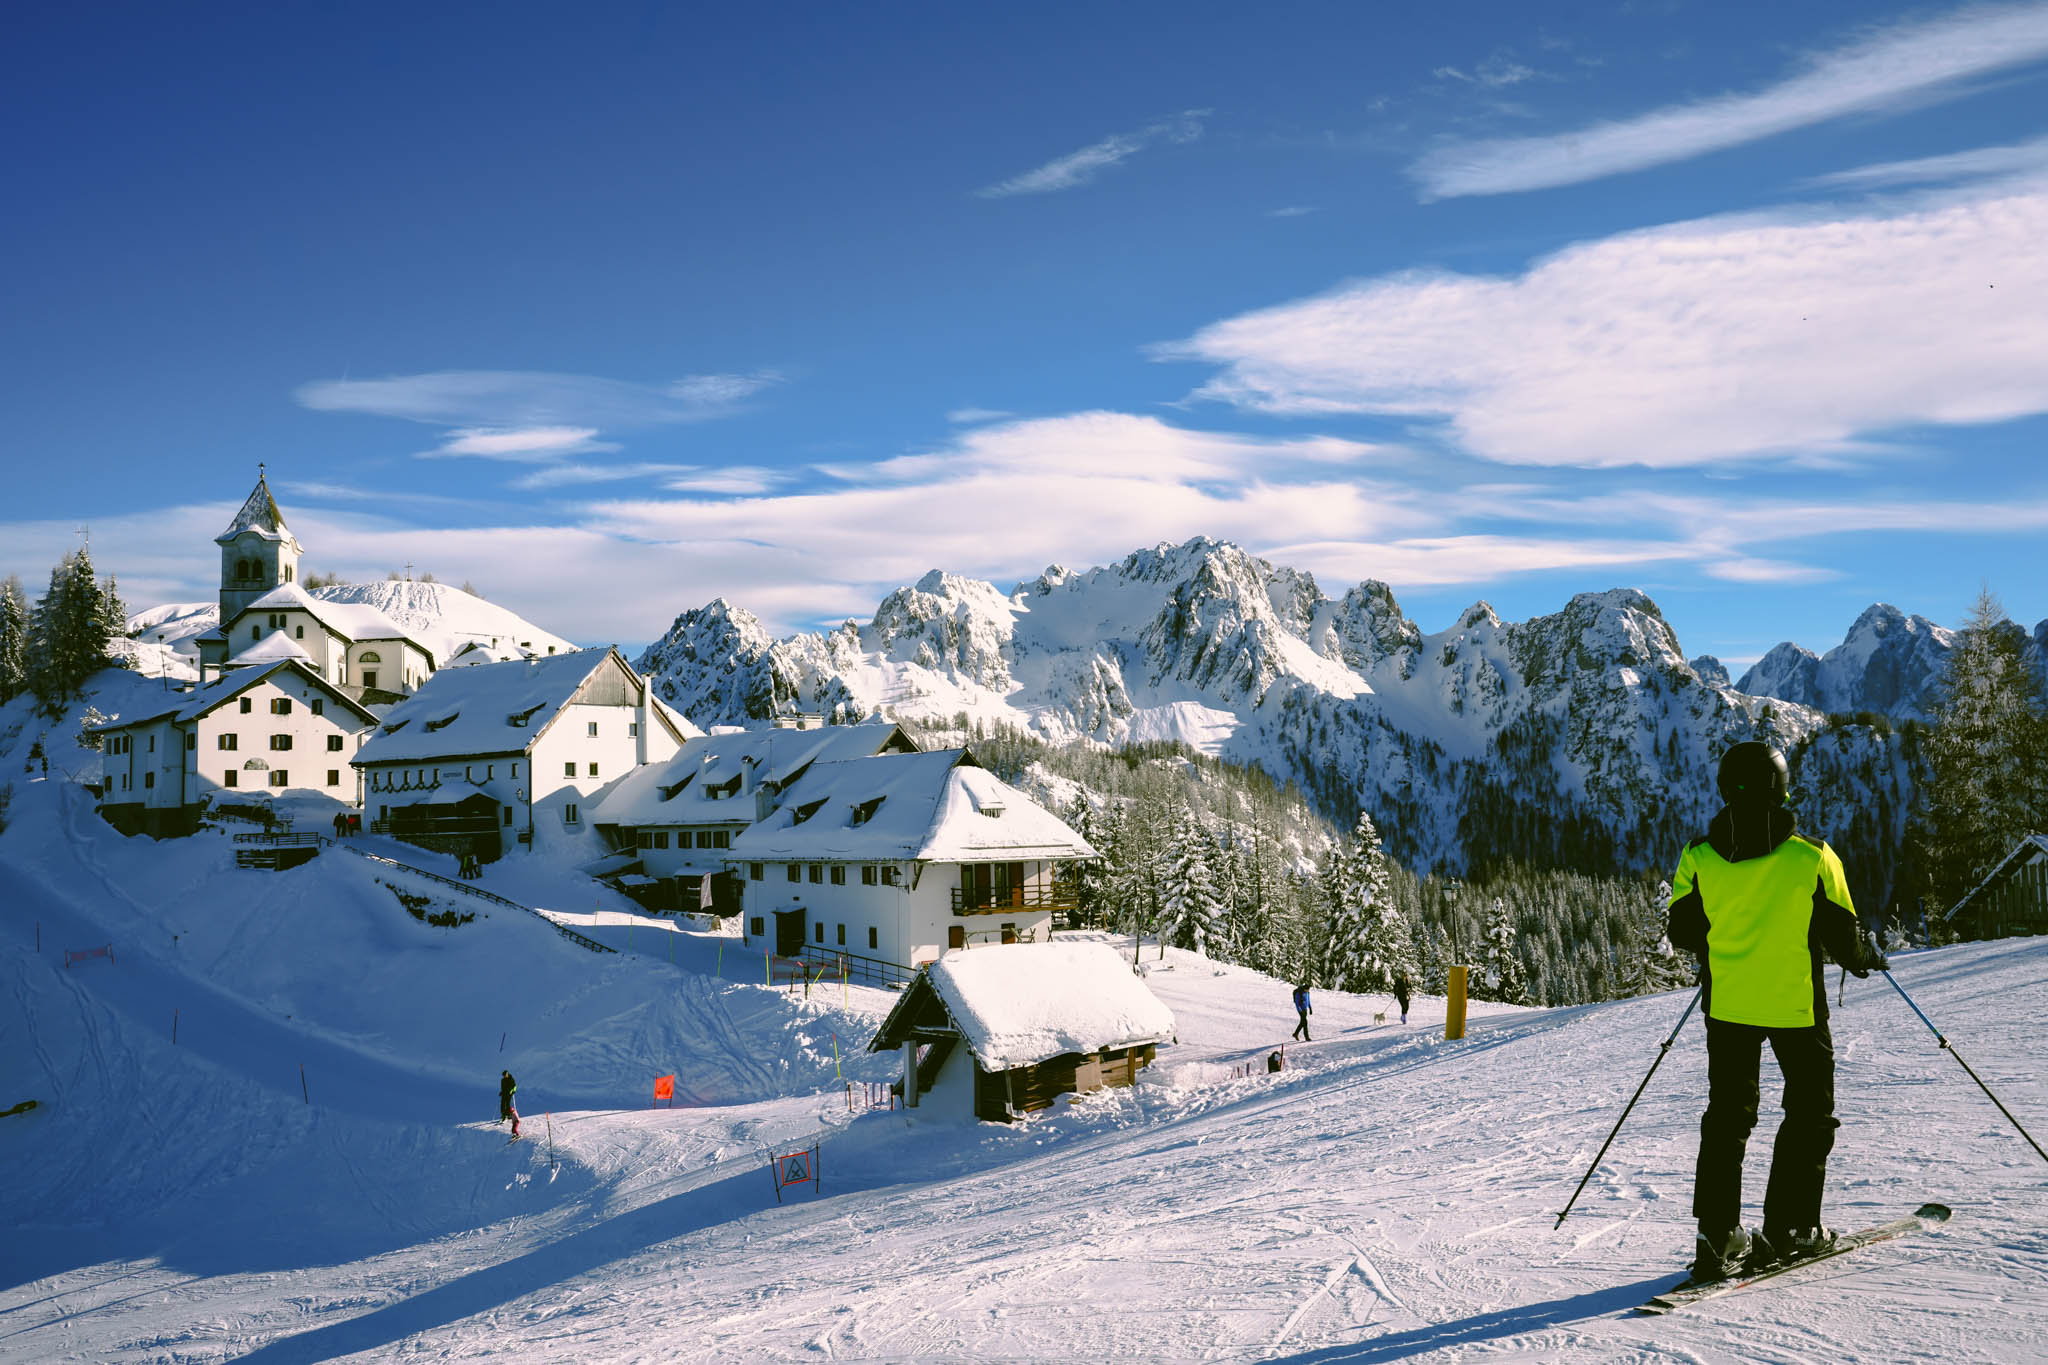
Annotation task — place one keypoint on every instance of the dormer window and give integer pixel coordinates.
(668, 793)
(805, 811)
(720, 791)
(441, 722)
(524, 717)
(396, 726)
(864, 811)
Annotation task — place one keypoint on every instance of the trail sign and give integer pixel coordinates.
(794, 1168)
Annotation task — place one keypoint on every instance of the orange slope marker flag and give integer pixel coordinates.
(665, 1089)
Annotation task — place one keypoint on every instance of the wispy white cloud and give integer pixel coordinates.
(568, 475)
(1078, 168)
(1001, 502)
(972, 416)
(1884, 67)
(1728, 338)
(1497, 69)
(517, 399)
(1291, 211)
(735, 480)
(1977, 163)
(520, 445)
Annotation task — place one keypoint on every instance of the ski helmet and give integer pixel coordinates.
(1753, 773)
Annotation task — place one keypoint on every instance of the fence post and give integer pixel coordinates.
(1454, 1005)
(305, 1093)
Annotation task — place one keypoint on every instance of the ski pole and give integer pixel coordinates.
(1950, 1049)
(1661, 1052)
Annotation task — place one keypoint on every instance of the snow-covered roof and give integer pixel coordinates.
(697, 786)
(1018, 1004)
(351, 620)
(269, 650)
(489, 709)
(259, 514)
(226, 688)
(931, 807)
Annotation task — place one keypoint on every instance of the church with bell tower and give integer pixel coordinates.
(258, 552)
(267, 618)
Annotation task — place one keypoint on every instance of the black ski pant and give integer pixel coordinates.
(1799, 1157)
(1301, 1029)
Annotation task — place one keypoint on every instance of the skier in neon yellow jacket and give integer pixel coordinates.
(1757, 903)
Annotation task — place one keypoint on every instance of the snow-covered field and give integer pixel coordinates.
(1389, 1196)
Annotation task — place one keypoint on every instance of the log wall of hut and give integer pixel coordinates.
(999, 1095)
(2016, 907)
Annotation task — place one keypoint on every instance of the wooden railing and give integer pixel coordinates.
(997, 900)
(877, 970)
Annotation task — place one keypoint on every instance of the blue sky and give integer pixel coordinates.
(616, 311)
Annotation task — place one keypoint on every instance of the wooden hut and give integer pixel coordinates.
(2013, 897)
(1000, 1031)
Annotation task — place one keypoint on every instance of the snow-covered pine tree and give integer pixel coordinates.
(45, 644)
(1370, 942)
(1501, 962)
(110, 623)
(1093, 876)
(1987, 752)
(1193, 911)
(13, 639)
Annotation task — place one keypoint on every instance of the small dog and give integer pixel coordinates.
(1379, 1018)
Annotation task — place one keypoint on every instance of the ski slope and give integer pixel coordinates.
(1389, 1196)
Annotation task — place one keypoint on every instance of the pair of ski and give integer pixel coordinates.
(1925, 1218)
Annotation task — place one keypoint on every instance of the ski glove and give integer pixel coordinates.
(1874, 960)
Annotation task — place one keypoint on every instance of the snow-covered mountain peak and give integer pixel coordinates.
(949, 624)
(1889, 662)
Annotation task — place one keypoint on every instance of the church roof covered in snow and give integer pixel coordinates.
(269, 650)
(932, 807)
(1018, 1004)
(259, 514)
(231, 685)
(711, 779)
(491, 708)
(353, 621)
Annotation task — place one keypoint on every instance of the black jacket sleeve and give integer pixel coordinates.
(1839, 932)
(1687, 927)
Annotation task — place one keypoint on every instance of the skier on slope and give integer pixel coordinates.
(1302, 1010)
(507, 1088)
(1756, 903)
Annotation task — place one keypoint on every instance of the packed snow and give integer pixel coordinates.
(311, 1170)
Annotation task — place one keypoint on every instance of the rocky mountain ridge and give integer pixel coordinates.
(1583, 737)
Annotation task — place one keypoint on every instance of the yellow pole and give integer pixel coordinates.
(1454, 1005)
(768, 970)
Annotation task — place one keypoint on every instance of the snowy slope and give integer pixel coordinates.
(1586, 732)
(1387, 1197)
(441, 617)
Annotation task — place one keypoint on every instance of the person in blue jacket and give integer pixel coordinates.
(1303, 1009)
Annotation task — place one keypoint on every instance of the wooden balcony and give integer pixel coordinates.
(1002, 900)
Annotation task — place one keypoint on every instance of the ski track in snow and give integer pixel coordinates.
(1389, 1196)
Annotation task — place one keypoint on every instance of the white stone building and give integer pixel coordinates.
(267, 730)
(894, 859)
(677, 819)
(512, 751)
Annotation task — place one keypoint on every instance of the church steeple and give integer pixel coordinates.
(258, 551)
